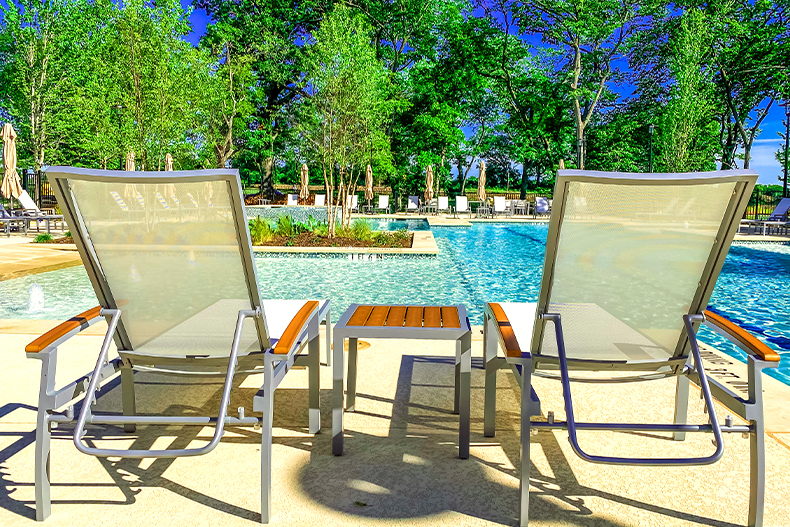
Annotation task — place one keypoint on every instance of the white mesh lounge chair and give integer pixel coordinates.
(462, 206)
(8, 218)
(352, 201)
(320, 200)
(443, 204)
(292, 200)
(414, 204)
(384, 203)
(597, 314)
(167, 311)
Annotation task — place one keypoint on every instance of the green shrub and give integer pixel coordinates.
(67, 234)
(261, 231)
(361, 230)
(287, 227)
(43, 238)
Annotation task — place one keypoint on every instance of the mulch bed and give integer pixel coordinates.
(307, 239)
(64, 239)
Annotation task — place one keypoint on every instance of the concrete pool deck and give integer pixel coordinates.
(400, 465)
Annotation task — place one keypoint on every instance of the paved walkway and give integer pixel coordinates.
(400, 465)
(19, 258)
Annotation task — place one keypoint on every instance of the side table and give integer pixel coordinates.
(401, 322)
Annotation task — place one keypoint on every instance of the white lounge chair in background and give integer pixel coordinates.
(31, 212)
(500, 206)
(462, 206)
(520, 207)
(169, 314)
(414, 204)
(542, 206)
(384, 203)
(320, 200)
(630, 323)
(292, 200)
(443, 205)
(352, 201)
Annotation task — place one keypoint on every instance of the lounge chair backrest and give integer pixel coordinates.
(781, 210)
(354, 201)
(461, 203)
(622, 281)
(179, 280)
(320, 200)
(541, 205)
(384, 201)
(499, 204)
(444, 203)
(4, 213)
(414, 203)
(293, 200)
(27, 202)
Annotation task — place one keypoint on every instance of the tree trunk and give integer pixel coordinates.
(524, 181)
(267, 187)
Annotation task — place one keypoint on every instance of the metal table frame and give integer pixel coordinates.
(463, 367)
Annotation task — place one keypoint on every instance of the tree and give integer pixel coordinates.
(593, 35)
(685, 127)
(343, 120)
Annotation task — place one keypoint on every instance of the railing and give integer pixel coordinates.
(761, 205)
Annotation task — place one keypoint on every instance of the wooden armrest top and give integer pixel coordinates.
(750, 343)
(62, 329)
(292, 332)
(512, 349)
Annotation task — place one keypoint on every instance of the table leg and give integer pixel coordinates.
(337, 395)
(457, 399)
(351, 390)
(465, 395)
(328, 321)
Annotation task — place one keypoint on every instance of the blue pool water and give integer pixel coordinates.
(486, 262)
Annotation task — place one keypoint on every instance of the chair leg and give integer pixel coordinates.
(490, 346)
(328, 321)
(756, 446)
(681, 405)
(314, 371)
(43, 436)
(457, 384)
(526, 390)
(337, 395)
(266, 442)
(351, 396)
(127, 395)
(463, 385)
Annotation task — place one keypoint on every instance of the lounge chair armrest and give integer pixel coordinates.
(295, 328)
(509, 341)
(745, 340)
(80, 322)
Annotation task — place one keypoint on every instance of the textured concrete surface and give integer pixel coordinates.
(22, 258)
(400, 465)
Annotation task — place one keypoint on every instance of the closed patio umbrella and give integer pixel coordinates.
(429, 183)
(369, 184)
(562, 164)
(304, 192)
(130, 162)
(168, 163)
(481, 182)
(11, 186)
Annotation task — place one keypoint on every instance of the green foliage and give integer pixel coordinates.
(361, 230)
(43, 238)
(67, 234)
(261, 230)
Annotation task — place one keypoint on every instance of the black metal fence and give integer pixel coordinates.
(762, 204)
(37, 187)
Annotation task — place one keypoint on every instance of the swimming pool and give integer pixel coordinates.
(486, 262)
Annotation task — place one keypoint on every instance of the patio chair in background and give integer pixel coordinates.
(462, 206)
(292, 200)
(542, 206)
(384, 203)
(428, 206)
(31, 212)
(320, 200)
(636, 322)
(500, 206)
(8, 218)
(168, 313)
(443, 204)
(520, 207)
(778, 218)
(414, 204)
(352, 201)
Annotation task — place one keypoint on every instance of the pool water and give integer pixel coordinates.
(483, 263)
